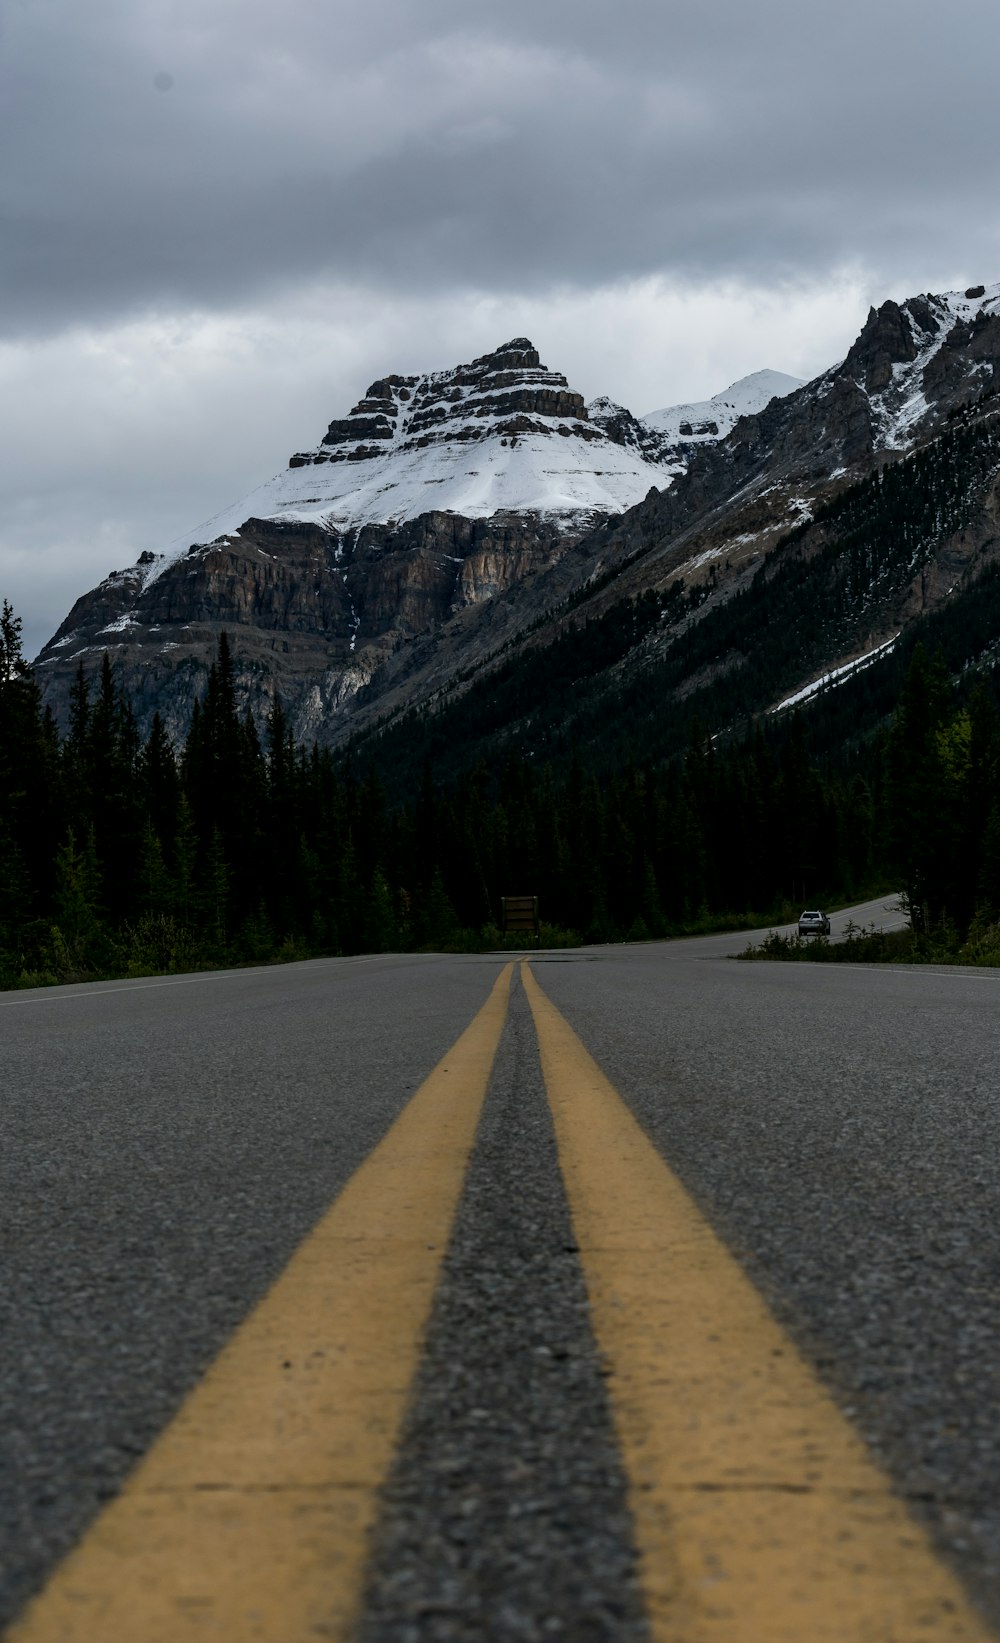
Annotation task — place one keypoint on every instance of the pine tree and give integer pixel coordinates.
(160, 786)
(12, 664)
(918, 793)
(30, 811)
(215, 893)
(154, 892)
(111, 772)
(79, 933)
(184, 895)
(436, 925)
(380, 932)
(988, 878)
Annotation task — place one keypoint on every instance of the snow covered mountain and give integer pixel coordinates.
(712, 419)
(503, 433)
(454, 517)
(432, 496)
(671, 437)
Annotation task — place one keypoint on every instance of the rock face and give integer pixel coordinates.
(312, 615)
(673, 436)
(443, 520)
(502, 434)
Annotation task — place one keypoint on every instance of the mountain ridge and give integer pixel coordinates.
(350, 623)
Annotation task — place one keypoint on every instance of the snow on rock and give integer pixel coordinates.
(903, 401)
(628, 431)
(503, 433)
(915, 363)
(708, 420)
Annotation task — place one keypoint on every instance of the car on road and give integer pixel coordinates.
(813, 923)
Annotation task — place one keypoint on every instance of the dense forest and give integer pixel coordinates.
(120, 856)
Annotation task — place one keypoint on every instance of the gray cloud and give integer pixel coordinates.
(220, 219)
(211, 151)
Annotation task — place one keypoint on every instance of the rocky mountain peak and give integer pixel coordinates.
(508, 392)
(683, 428)
(502, 433)
(519, 351)
(633, 434)
(434, 495)
(886, 339)
(919, 360)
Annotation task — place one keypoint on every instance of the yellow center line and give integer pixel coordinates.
(249, 1518)
(759, 1515)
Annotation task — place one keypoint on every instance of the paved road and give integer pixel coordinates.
(167, 1147)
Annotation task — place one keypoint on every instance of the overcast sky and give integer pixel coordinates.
(222, 218)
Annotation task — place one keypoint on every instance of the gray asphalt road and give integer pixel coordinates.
(166, 1145)
(841, 1128)
(505, 1517)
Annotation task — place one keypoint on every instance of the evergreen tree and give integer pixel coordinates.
(435, 923)
(154, 892)
(30, 819)
(380, 930)
(160, 784)
(215, 893)
(919, 795)
(13, 667)
(81, 941)
(988, 875)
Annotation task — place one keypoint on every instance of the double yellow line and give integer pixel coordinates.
(758, 1516)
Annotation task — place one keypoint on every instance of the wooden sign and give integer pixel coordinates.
(519, 914)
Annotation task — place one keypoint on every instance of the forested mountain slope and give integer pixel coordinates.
(626, 678)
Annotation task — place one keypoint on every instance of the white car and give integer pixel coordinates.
(813, 923)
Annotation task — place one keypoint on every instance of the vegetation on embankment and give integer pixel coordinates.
(981, 947)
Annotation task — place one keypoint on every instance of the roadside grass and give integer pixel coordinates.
(158, 945)
(867, 945)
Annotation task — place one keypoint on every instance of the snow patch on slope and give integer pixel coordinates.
(557, 477)
(837, 675)
(705, 421)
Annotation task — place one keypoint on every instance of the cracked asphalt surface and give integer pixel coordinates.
(167, 1145)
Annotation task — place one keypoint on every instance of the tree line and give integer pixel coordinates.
(121, 855)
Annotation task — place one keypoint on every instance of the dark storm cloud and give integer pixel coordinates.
(204, 152)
